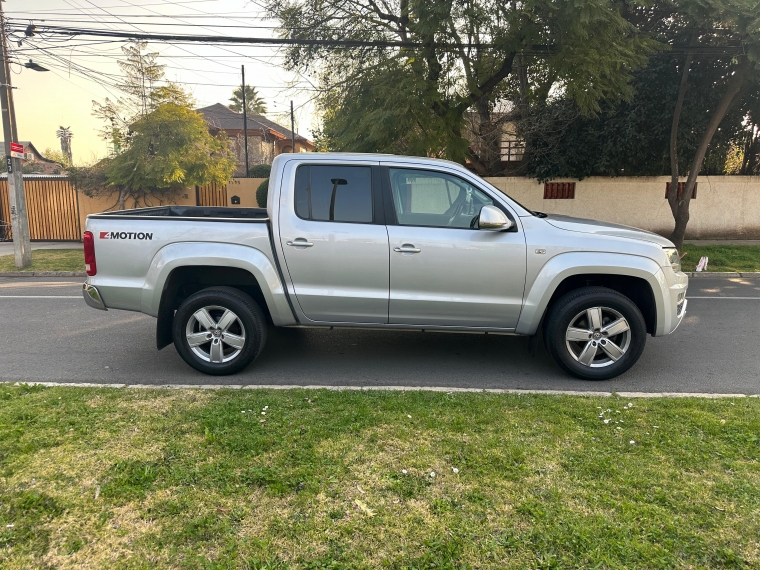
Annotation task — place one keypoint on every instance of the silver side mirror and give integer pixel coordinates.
(493, 219)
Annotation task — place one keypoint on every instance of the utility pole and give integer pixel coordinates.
(245, 122)
(292, 129)
(22, 248)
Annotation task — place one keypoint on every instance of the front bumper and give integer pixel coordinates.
(92, 297)
(676, 285)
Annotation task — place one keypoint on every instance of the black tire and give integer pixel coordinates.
(250, 321)
(568, 354)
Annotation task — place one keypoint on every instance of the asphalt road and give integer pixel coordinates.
(49, 336)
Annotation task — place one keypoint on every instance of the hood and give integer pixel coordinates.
(605, 228)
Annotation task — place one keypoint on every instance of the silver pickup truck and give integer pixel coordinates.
(391, 242)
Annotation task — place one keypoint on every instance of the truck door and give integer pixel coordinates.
(336, 243)
(443, 270)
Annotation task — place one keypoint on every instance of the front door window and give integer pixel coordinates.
(434, 199)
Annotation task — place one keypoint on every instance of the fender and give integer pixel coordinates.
(565, 265)
(222, 254)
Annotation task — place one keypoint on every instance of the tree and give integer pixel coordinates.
(141, 74)
(56, 156)
(65, 134)
(632, 138)
(472, 55)
(713, 23)
(170, 150)
(254, 104)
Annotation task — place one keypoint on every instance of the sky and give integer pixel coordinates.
(83, 69)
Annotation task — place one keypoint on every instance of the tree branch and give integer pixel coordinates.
(489, 85)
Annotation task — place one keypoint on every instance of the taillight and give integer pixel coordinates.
(89, 254)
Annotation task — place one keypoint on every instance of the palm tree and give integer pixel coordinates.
(65, 134)
(254, 104)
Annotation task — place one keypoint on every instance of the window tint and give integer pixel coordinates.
(423, 198)
(334, 193)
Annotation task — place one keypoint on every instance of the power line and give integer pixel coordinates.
(73, 31)
(216, 39)
(132, 23)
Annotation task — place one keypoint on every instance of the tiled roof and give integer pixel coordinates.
(221, 117)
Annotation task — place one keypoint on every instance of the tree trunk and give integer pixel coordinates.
(750, 151)
(488, 138)
(122, 196)
(681, 214)
(682, 88)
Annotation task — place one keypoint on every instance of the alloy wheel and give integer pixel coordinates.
(215, 334)
(598, 337)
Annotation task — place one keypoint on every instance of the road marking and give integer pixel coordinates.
(740, 298)
(382, 388)
(40, 296)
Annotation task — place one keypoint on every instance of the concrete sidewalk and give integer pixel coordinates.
(6, 247)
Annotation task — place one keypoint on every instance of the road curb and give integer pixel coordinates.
(448, 390)
(723, 273)
(43, 274)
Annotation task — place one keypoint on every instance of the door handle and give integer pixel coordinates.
(407, 248)
(300, 242)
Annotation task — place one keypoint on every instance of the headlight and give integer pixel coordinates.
(673, 257)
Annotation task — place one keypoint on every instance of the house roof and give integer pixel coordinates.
(28, 144)
(225, 119)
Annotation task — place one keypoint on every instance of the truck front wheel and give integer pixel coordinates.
(219, 330)
(595, 333)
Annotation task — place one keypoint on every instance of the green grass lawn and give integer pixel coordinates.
(274, 479)
(48, 260)
(722, 257)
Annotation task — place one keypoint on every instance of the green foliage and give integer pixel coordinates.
(57, 156)
(632, 138)
(254, 104)
(91, 180)
(141, 72)
(31, 167)
(260, 171)
(170, 149)
(262, 193)
(422, 100)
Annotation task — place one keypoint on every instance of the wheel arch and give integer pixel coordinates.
(638, 278)
(179, 270)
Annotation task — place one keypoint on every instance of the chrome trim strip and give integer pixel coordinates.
(92, 297)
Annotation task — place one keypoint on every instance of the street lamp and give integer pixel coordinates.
(35, 66)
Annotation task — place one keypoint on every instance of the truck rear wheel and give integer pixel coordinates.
(595, 333)
(219, 330)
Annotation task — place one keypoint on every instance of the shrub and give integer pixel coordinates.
(261, 193)
(260, 171)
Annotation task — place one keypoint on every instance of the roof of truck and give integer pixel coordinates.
(365, 156)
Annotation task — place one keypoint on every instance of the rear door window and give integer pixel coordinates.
(334, 193)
